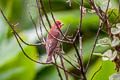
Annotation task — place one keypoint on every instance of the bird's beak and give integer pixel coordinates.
(62, 24)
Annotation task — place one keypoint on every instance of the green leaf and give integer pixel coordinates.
(98, 54)
(114, 55)
(104, 42)
(115, 42)
(104, 73)
(115, 31)
(118, 25)
(107, 55)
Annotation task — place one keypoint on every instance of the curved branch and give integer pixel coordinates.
(35, 27)
(15, 33)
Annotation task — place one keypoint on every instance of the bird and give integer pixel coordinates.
(51, 42)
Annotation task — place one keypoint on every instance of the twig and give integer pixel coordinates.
(58, 69)
(80, 44)
(42, 6)
(69, 62)
(100, 14)
(100, 28)
(80, 61)
(72, 59)
(66, 32)
(40, 19)
(62, 63)
(80, 26)
(75, 47)
(55, 21)
(35, 27)
(107, 7)
(41, 32)
(12, 27)
(91, 54)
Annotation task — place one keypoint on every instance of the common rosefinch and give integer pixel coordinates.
(51, 42)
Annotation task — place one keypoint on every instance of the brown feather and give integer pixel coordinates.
(51, 43)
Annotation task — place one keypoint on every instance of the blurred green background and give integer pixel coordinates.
(15, 66)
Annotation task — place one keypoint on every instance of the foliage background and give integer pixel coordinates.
(15, 66)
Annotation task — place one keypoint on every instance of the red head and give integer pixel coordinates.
(59, 23)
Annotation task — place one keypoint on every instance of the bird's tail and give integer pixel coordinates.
(49, 58)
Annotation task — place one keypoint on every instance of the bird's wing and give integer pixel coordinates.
(51, 45)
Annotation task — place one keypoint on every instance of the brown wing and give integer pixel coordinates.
(51, 43)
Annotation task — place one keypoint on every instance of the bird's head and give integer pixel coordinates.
(59, 23)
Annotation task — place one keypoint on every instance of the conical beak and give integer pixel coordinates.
(62, 24)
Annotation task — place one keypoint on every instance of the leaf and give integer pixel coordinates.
(118, 25)
(114, 55)
(98, 54)
(115, 76)
(107, 55)
(115, 42)
(104, 42)
(115, 31)
(104, 73)
(104, 5)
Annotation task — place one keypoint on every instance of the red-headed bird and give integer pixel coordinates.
(51, 42)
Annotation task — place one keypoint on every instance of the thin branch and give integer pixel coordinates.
(80, 26)
(42, 6)
(12, 27)
(35, 27)
(60, 76)
(96, 9)
(75, 47)
(41, 32)
(100, 14)
(62, 63)
(69, 62)
(107, 7)
(91, 54)
(74, 39)
(100, 28)
(80, 44)
(40, 19)
(68, 71)
(72, 59)
(66, 31)
(80, 61)
(55, 21)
